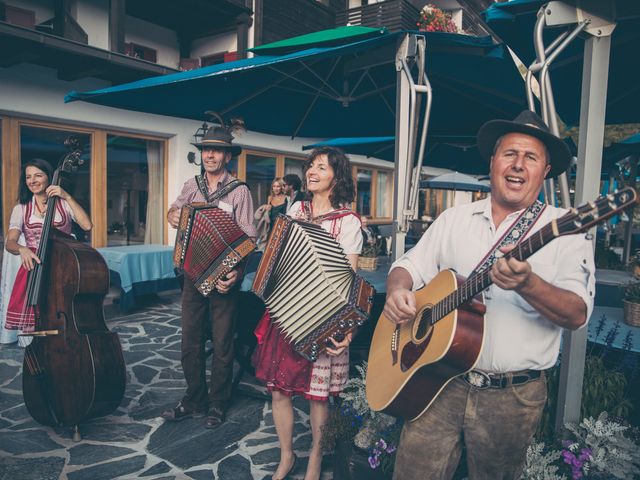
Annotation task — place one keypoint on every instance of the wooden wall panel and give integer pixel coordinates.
(99, 188)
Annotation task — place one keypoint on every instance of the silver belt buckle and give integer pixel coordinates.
(480, 380)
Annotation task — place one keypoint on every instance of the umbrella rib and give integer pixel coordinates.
(379, 91)
(446, 82)
(313, 102)
(311, 87)
(254, 94)
(355, 87)
(475, 98)
(307, 92)
(335, 92)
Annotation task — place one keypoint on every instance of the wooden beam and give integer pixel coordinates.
(243, 21)
(258, 23)
(98, 177)
(10, 168)
(60, 9)
(116, 25)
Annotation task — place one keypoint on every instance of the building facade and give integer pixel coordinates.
(135, 163)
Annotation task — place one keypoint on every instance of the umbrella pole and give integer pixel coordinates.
(406, 117)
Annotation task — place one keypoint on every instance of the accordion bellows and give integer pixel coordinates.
(311, 291)
(209, 245)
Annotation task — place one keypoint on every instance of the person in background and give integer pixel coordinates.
(292, 184)
(330, 185)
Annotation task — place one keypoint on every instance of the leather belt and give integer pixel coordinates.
(483, 380)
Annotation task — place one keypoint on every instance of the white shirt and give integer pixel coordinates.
(347, 229)
(517, 337)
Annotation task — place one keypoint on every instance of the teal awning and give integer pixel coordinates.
(344, 90)
(514, 22)
(323, 38)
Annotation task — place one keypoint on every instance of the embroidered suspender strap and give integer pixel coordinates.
(342, 212)
(218, 194)
(513, 235)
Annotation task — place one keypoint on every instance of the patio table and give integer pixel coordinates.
(140, 270)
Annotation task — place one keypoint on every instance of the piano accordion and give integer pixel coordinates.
(209, 245)
(311, 291)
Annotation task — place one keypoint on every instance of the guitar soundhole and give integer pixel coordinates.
(423, 323)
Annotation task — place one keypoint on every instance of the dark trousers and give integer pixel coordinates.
(219, 311)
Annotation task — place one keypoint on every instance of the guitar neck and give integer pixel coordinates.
(481, 280)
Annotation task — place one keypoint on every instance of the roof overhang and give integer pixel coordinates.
(72, 60)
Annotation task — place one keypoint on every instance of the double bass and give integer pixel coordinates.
(74, 369)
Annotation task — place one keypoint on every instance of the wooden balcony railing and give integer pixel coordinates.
(393, 14)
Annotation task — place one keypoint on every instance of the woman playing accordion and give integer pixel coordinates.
(329, 183)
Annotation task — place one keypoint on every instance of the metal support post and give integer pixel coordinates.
(592, 114)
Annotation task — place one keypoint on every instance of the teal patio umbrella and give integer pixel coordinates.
(342, 87)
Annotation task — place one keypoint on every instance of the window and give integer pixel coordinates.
(214, 59)
(140, 51)
(260, 172)
(135, 174)
(363, 199)
(48, 144)
(384, 190)
(120, 185)
(294, 165)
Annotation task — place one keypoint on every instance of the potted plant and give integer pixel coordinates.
(368, 259)
(432, 19)
(634, 264)
(363, 441)
(631, 303)
(597, 448)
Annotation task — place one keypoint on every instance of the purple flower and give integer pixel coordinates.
(374, 461)
(381, 444)
(391, 449)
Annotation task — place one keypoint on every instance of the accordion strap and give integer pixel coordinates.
(218, 194)
(334, 215)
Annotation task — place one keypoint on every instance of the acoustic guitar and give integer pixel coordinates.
(410, 364)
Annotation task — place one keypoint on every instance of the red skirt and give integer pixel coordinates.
(277, 364)
(20, 316)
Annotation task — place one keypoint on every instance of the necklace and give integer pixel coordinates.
(40, 211)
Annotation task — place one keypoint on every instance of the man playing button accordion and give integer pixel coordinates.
(219, 307)
(494, 409)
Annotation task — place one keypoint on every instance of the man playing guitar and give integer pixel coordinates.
(495, 408)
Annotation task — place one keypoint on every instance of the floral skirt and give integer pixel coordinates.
(281, 368)
(20, 316)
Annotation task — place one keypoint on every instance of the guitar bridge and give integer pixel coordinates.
(394, 345)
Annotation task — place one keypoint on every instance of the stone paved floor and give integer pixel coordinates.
(133, 442)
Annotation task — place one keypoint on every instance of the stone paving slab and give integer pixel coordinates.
(133, 442)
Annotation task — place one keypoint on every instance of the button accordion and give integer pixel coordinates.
(209, 245)
(311, 291)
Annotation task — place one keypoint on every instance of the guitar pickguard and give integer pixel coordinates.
(412, 352)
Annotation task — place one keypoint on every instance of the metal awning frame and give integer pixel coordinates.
(589, 161)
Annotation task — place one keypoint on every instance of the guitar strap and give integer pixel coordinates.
(513, 235)
(213, 198)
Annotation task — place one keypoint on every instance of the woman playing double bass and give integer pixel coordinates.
(27, 218)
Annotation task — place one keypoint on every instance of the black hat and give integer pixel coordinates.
(528, 123)
(218, 137)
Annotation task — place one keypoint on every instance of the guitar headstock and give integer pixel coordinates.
(587, 215)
